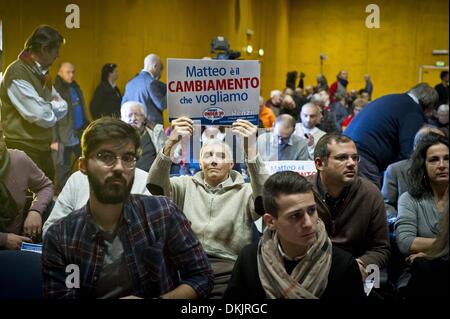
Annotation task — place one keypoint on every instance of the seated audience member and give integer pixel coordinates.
(288, 107)
(18, 174)
(295, 258)
(124, 245)
(307, 129)
(107, 97)
(430, 273)
(328, 119)
(216, 200)
(75, 195)
(187, 156)
(421, 208)
(440, 119)
(395, 181)
(266, 116)
(274, 103)
(351, 207)
(358, 105)
(152, 135)
(282, 144)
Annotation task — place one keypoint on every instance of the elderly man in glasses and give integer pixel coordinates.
(351, 207)
(120, 245)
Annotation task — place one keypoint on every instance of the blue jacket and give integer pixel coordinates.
(147, 90)
(384, 130)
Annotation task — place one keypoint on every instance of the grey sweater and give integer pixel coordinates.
(416, 218)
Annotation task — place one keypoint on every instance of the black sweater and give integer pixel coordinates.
(344, 279)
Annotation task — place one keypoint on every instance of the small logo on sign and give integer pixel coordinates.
(213, 113)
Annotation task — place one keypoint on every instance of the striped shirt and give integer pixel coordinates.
(161, 251)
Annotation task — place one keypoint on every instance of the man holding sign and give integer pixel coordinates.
(217, 201)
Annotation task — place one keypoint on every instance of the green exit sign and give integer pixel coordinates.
(440, 63)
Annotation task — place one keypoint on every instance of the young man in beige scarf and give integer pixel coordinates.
(294, 259)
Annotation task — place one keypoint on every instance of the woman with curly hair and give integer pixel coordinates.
(422, 207)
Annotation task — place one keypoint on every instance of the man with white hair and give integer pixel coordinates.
(148, 90)
(152, 135)
(274, 103)
(217, 201)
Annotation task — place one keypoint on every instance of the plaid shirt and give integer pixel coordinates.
(161, 251)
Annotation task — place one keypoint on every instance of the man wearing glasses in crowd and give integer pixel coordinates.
(124, 245)
(351, 207)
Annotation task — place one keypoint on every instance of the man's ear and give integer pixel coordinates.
(82, 165)
(320, 164)
(269, 221)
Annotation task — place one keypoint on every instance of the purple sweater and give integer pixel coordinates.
(23, 174)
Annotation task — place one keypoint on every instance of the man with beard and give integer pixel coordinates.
(351, 207)
(122, 245)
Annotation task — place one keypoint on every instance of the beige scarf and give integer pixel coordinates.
(308, 280)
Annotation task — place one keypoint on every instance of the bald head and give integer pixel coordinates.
(67, 72)
(153, 65)
(310, 115)
(284, 126)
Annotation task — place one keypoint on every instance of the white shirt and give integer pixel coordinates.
(317, 133)
(34, 108)
(75, 195)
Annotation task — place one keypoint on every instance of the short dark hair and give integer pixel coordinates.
(418, 180)
(283, 183)
(322, 151)
(44, 36)
(444, 74)
(107, 69)
(108, 129)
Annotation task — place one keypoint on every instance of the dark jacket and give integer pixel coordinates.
(105, 101)
(384, 130)
(344, 278)
(359, 225)
(66, 126)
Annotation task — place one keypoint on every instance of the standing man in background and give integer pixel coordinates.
(148, 90)
(30, 105)
(68, 131)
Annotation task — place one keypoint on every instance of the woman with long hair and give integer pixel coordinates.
(421, 209)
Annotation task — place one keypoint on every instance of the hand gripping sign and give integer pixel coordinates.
(216, 92)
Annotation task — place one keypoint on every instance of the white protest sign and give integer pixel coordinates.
(216, 92)
(304, 168)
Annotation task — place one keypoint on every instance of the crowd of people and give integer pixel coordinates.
(109, 189)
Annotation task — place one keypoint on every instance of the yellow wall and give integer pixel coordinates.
(292, 33)
(409, 31)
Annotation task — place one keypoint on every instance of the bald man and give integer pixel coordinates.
(67, 132)
(148, 90)
(282, 144)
